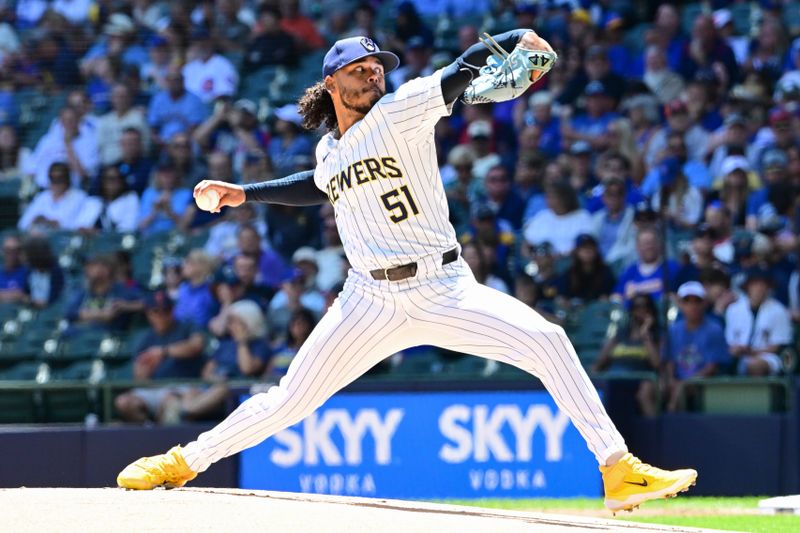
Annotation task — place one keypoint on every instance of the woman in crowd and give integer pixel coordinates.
(116, 209)
(635, 348)
(300, 325)
(588, 277)
(475, 257)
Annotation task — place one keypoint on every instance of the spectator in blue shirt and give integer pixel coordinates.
(163, 203)
(775, 172)
(13, 273)
(612, 165)
(118, 41)
(696, 347)
(289, 144)
(540, 114)
(695, 171)
(103, 303)
(646, 275)
(169, 350)
(593, 126)
(194, 302)
(174, 110)
(502, 198)
(135, 166)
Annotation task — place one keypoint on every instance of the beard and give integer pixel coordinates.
(350, 99)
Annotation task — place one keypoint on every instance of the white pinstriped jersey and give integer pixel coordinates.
(382, 177)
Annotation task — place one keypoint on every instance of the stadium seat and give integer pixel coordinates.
(504, 371)
(263, 82)
(119, 370)
(588, 328)
(420, 363)
(78, 397)
(791, 17)
(742, 395)
(9, 197)
(741, 15)
(467, 366)
(80, 344)
(19, 349)
(689, 12)
(22, 371)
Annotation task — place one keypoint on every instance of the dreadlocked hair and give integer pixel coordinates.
(316, 108)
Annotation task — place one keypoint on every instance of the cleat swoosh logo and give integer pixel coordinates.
(642, 483)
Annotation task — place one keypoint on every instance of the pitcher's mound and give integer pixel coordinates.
(199, 510)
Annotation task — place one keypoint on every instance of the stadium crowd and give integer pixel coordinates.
(656, 166)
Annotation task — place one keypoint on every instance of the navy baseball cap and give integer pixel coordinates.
(346, 51)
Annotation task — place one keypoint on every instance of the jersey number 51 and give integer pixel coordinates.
(395, 205)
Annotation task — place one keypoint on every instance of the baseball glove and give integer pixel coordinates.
(506, 76)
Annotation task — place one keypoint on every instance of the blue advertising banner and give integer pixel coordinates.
(428, 445)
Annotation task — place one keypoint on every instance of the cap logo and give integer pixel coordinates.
(368, 44)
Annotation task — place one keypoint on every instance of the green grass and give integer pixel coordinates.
(684, 511)
(750, 523)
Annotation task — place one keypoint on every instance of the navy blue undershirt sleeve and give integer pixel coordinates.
(296, 189)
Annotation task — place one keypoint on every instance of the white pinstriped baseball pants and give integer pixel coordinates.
(441, 306)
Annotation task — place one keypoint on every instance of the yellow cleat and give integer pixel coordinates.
(631, 482)
(167, 470)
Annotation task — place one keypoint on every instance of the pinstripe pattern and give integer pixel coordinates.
(400, 126)
(357, 332)
(441, 306)
(368, 323)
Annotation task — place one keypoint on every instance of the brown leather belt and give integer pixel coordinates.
(410, 270)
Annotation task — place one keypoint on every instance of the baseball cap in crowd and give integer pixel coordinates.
(675, 107)
(304, 253)
(595, 88)
(200, 34)
(757, 273)
(722, 17)
(251, 314)
(779, 115)
(346, 51)
(732, 163)
(482, 211)
(735, 119)
(596, 50)
(540, 98)
(119, 24)
(614, 21)
(581, 15)
(417, 42)
(580, 148)
(771, 225)
(703, 230)
(775, 158)
(158, 301)
(156, 41)
(479, 128)
(289, 113)
(742, 246)
(246, 105)
(585, 238)
(691, 288)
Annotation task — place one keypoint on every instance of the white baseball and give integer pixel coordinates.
(208, 200)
